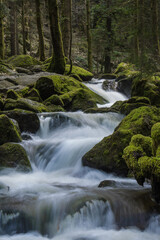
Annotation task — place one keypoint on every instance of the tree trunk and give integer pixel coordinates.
(23, 29)
(40, 31)
(136, 43)
(155, 31)
(58, 60)
(89, 37)
(1, 31)
(13, 28)
(66, 25)
(108, 48)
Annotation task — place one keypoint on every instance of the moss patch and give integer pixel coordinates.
(8, 131)
(23, 61)
(82, 73)
(25, 104)
(13, 155)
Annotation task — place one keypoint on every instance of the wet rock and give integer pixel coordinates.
(12, 94)
(25, 104)
(107, 183)
(8, 131)
(23, 70)
(147, 87)
(109, 85)
(28, 121)
(13, 155)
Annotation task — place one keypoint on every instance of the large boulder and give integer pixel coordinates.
(148, 86)
(23, 61)
(13, 155)
(25, 104)
(125, 74)
(107, 155)
(8, 130)
(28, 121)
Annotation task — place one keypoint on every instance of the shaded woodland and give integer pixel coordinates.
(95, 34)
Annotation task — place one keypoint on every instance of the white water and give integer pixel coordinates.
(110, 96)
(60, 198)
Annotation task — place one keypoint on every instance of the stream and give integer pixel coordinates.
(60, 199)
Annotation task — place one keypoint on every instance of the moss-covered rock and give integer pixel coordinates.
(108, 76)
(53, 100)
(70, 91)
(149, 87)
(23, 61)
(32, 94)
(125, 72)
(13, 155)
(25, 104)
(8, 130)
(1, 103)
(142, 158)
(107, 155)
(155, 134)
(81, 72)
(12, 94)
(27, 121)
(5, 68)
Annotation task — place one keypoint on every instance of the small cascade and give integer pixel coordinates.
(109, 95)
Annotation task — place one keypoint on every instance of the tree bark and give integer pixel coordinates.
(23, 29)
(136, 40)
(89, 37)
(58, 60)
(155, 30)
(108, 48)
(13, 28)
(66, 25)
(1, 31)
(40, 31)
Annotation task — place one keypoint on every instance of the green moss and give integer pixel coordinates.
(1, 103)
(148, 86)
(55, 100)
(12, 94)
(144, 142)
(82, 73)
(23, 92)
(25, 104)
(55, 108)
(69, 90)
(23, 61)
(8, 130)
(13, 155)
(155, 134)
(126, 69)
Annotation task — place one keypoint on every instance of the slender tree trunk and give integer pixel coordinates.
(23, 29)
(1, 31)
(40, 31)
(66, 25)
(58, 60)
(108, 48)
(155, 31)
(89, 36)
(13, 28)
(136, 41)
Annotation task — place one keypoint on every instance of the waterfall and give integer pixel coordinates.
(60, 199)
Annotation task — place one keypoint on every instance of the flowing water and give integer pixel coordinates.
(60, 198)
